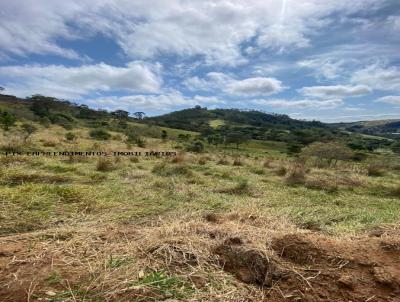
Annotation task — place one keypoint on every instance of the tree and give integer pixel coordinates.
(164, 134)
(183, 137)
(196, 146)
(294, 148)
(7, 120)
(41, 105)
(332, 152)
(139, 115)
(236, 138)
(215, 139)
(120, 114)
(28, 129)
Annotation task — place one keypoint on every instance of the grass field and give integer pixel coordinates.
(138, 228)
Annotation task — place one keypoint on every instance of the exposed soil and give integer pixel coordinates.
(298, 266)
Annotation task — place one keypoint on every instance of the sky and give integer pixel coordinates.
(331, 60)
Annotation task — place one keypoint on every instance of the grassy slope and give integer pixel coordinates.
(40, 192)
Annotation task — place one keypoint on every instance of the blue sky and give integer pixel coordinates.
(326, 60)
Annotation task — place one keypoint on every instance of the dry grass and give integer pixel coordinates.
(105, 165)
(296, 174)
(174, 259)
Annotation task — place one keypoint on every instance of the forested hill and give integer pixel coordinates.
(198, 118)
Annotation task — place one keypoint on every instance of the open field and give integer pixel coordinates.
(248, 224)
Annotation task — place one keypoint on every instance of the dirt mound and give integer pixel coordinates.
(248, 265)
(364, 269)
(298, 249)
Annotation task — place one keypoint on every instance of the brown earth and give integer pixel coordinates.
(292, 266)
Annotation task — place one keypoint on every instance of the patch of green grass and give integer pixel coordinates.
(164, 169)
(115, 262)
(168, 286)
(216, 123)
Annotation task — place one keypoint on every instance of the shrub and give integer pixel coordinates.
(171, 170)
(297, 174)
(281, 171)
(69, 136)
(28, 129)
(140, 142)
(99, 134)
(7, 120)
(134, 159)
(195, 146)
(237, 162)
(202, 160)
(331, 152)
(104, 165)
(223, 161)
(396, 191)
(164, 135)
(179, 158)
(375, 169)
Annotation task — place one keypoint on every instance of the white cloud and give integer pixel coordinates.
(305, 104)
(145, 29)
(390, 99)
(325, 67)
(254, 87)
(337, 91)
(159, 102)
(282, 38)
(394, 23)
(378, 77)
(257, 86)
(75, 82)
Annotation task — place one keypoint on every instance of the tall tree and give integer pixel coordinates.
(139, 115)
(121, 114)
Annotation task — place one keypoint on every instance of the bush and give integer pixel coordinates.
(99, 134)
(179, 158)
(297, 174)
(134, 159)
(196, 146)
(104, 165)
(28, 129)
(281, 171)
(203, 160)
(331, 152)
(237, 162)
(396, 191)
(7, 120)
(223, 161)
(375, 169)
(171, 170)
(69, 136)
(140, 142)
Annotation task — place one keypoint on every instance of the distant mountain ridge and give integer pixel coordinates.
(379, 127)
(194, 118)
